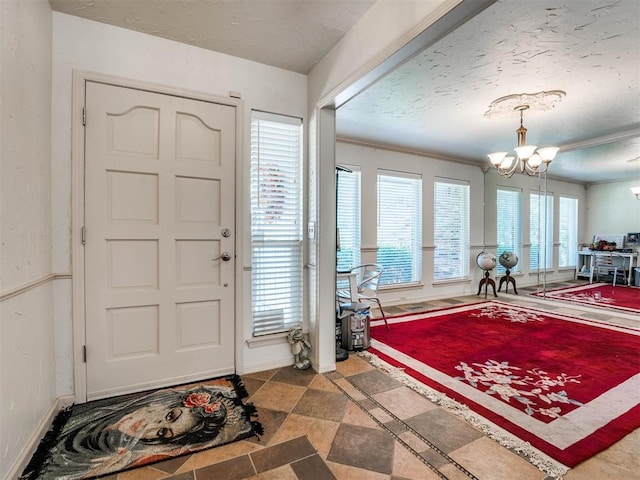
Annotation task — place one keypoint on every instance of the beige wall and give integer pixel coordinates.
(383, 30)
(27, 368)
(82, 45)
(612, 209)
(483, 215)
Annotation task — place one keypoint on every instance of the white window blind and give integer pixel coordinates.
(451, 229)
(276, 223)
(509, 225)
(540, 231)
(399, 227)
(568, 231)
(348, 219)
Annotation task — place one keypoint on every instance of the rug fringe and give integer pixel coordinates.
(38, 461)
(252, 412)
(238, 384)
(251, 409)
(535, 457)
(258, 429)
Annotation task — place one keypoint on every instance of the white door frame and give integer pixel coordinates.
(77, 207)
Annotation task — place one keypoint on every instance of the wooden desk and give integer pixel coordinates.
(583, 260)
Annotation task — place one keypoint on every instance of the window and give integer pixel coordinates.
(568, 231)
(348, 218)
(276, 223)
(451, 229)
(399, 227)
(508, 224)
(540, 232)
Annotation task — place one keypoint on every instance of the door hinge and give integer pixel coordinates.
(84, 235)
(84, 116)
(84, 353)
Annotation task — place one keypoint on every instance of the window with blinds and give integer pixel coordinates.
(399, 227)
(276, 223)
(540, 231)
(451, 222)
(568, 231)
(509, 224)
(348, 218)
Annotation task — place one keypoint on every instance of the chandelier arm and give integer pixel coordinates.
(508, 172)
(532, 172)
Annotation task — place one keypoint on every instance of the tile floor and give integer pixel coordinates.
(359, 423)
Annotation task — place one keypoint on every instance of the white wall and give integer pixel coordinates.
(528, 185)
(27, 369)
(383, 30)
(483, 215)
(84, 45)
(612, 209)
(370, 160)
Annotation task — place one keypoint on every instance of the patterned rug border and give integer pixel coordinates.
(589, 286)
(386, 358)
(564, 316)
(534, 456)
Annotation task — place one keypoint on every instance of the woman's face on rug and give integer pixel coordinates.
(156, 421)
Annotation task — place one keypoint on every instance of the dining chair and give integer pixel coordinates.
(368, 281)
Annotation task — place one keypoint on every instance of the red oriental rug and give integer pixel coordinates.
(623, 299)
(567, 387)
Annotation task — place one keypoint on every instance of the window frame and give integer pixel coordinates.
(460, 268)
(515, 244)
(276, 228)
(348, 209)
(568, 249)
(548, 232)
(389, 254)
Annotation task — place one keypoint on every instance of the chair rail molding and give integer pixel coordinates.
(35, 283)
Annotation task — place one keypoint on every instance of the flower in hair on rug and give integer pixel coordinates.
(201, 401)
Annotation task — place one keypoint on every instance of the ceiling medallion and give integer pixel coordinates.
(541, 101)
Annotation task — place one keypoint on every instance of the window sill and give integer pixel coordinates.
(267, 340)
(404, 286)
(452, 281)
(536, 272)
(568, 268)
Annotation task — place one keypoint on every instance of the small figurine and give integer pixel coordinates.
(300, 347)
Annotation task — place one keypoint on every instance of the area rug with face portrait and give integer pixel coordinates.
(107, 436)
(602, 295)
(554, 388)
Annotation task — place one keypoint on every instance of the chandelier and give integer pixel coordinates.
(528, 159)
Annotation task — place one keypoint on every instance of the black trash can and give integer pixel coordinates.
(355, 326)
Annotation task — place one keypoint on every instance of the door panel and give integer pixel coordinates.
(159, 189)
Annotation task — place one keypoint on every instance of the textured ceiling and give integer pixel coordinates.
(436, 102)
(290, 34)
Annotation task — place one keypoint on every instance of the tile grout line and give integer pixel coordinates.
(396, 436)
(414, 432)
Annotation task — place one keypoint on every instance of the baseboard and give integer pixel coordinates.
(66, 401)
(43, 427)
(264, 366)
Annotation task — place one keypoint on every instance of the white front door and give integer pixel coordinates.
(159, 215)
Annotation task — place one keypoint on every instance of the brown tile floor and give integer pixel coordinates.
(359, 423)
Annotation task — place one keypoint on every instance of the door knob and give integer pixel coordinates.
(225, 257)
